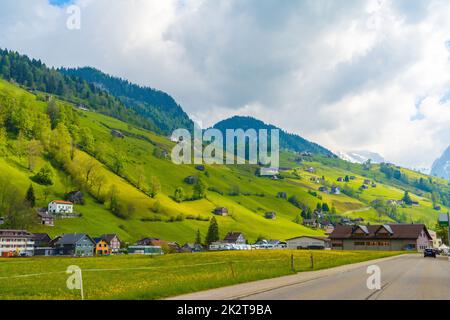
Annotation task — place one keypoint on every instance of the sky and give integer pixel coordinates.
(350, 75)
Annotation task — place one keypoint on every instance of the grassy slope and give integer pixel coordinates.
(160, 277)
(97, 219)
(247, 211)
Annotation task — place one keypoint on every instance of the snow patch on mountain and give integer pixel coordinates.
(360, 156)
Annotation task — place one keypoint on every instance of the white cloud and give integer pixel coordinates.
(350, 75)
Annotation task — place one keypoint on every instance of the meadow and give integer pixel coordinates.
(143, 277)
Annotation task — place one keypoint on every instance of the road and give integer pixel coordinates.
(407, 277)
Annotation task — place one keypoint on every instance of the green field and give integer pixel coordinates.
(138, 277)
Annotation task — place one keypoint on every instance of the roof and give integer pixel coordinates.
(15, 233)
(233, 236)
(396, 231)
(45, 215)
(98, 240)
(72, 238)
(62, 202)
(41, 236)
(109, 237)
(311, 237)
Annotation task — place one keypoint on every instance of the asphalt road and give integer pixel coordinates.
(408, 277)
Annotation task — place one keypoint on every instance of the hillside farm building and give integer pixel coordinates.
(390, 237)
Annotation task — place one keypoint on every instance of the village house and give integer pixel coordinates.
(2, 221)
(155, 242)
(78, 244)
(101, 247)
(192, 247)
(44, 251)
(235, 238)
(367, 182)
(60, 207)
(16, 243)
(415, 203)
(308, 243)
(270, 215)
(117, 134)
(335, 190)
(46, 219)
(221, 211)
(388, 237)
(352, 178)
(41, 240)
(270, 244)
(364, 187)
(310, 223)
(310, 170)
(282, 195)
(113, 242)
(323, 189)
(437, 242)
(145, 250)
(340, 179)
(315, 180)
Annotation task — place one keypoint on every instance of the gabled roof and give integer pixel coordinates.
(62, 202)
(233, 236)
(399, 231)
(73, 238)
(41, 237)
(109, 237)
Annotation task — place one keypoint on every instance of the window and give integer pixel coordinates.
(360, 243)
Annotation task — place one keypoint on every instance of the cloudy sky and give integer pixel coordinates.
(350, 75)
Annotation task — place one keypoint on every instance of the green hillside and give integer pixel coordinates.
(119, 175)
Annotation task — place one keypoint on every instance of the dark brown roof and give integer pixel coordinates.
(109, 237)
(233, 236)
(394, 231)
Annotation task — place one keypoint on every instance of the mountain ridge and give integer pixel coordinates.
(288, 141)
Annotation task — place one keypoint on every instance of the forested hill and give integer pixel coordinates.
(288, 141)
(153, 104)
(35, 75)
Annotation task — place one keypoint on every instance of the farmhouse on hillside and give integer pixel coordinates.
(46, 219)
(270, 215)
(282, 195)
(16, 243)
(78, 244)
(60, 207)
(388, 237)
(221, 211)
(307, 242)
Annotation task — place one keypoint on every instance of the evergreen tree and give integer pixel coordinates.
(30, 197)
(407, 198)
(198, 239)
(325, 207)
(213, 232)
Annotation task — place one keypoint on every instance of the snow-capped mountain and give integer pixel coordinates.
(360, 156)
(441, 167)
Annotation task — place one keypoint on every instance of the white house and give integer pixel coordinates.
(16, 242)
(60, 207)
(306, 242)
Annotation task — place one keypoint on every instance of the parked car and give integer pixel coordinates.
(429, 253)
